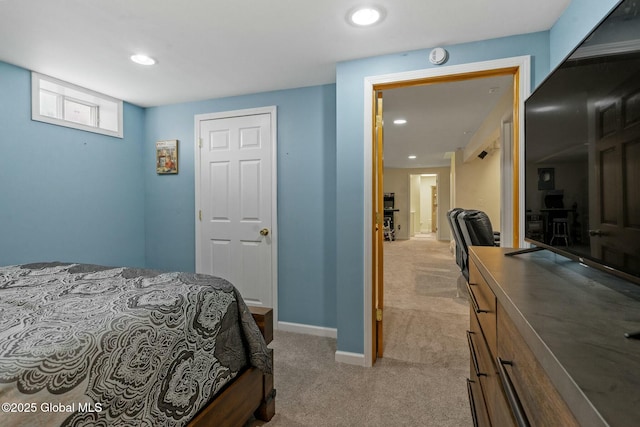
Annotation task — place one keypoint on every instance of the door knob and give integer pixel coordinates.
(264, 232)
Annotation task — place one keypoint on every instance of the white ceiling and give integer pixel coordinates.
(213, 48)
(440, 119)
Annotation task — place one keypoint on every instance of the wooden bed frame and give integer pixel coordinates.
(250, 393)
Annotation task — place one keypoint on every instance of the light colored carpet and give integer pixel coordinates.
(421, 379)
(314, 390)
(425, 318)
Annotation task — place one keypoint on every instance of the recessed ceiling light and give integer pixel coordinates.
(399, 122)
(365, 16)
(412, 156)
(143, 59)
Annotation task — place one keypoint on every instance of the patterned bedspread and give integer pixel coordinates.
(101, 346)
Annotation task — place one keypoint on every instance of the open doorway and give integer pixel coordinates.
(426, 311)
(516, 69)
(423, 206)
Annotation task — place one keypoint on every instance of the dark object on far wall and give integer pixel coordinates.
(546, 179)
(482, 154)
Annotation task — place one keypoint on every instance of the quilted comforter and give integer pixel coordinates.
(101, 346)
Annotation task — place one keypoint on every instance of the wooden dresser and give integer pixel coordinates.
(547, 345)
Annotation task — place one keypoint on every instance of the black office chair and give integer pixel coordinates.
(476, 228)
(461, 247)
(470, 228)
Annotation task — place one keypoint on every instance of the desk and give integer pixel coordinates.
(390, 232)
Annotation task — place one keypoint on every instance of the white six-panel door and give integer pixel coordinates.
(235, 181)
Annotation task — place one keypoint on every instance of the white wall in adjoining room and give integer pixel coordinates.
(426, 214)
(398, 181)
(478, 184)
(414, 204)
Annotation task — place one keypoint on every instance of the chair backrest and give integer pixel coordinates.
(470, 227)
(476, 228)
(461, 247)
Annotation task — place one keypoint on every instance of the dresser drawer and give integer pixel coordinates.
(483, 302)
(539, 399)
(476, 403)
(479, 366)
(483, 370)
(481, 360)
(497, 405)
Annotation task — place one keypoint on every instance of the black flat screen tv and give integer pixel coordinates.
(582, 150)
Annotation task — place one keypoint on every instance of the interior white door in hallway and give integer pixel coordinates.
(235, 201)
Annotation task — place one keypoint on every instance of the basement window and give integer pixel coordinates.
(60, 103)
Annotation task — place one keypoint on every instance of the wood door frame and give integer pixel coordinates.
(520, 67)
(272, 111)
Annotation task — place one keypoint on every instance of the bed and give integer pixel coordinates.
(101, 346)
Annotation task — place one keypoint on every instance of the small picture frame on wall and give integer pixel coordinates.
(167, 157)
(546, 179)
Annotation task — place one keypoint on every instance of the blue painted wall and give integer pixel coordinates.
(306, 196)
(66, 194)
(580, 17)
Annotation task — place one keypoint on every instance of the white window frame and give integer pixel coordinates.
(92, 99)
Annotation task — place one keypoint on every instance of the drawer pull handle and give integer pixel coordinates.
(474, 357)
(512, 396)
(474, 301)
(472, 404)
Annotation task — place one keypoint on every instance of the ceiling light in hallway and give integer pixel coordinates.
(143, 59)
(365, 16)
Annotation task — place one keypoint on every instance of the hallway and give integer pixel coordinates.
(425, 319)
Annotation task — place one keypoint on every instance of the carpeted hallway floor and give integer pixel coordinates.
(420, 381)
(424, 318)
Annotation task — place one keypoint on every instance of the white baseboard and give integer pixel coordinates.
(350, 358)
(308, 329)
(340, 356)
